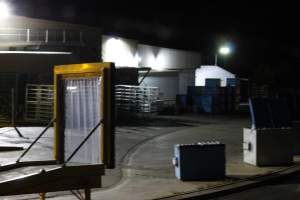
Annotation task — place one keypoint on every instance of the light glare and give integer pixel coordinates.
(4, 10)
(224, 50)
(71, 88)
(120, 52)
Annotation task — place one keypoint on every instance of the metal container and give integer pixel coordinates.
(268, 147)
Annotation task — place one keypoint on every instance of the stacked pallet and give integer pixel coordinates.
(136, 99)
(38, 103)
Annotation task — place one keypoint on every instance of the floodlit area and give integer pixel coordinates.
(147, 102)
(144, 153)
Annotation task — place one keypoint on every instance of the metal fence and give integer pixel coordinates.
(38, 103)
(9, 97)
(5, 113)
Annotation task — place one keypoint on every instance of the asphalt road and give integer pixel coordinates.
(290, 189)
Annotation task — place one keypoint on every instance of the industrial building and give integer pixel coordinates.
(30, 48)
(83, 81)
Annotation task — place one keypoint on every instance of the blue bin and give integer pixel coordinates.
(194, 162)
(212, 82)
(206, 103)
(181, 100)
(231, 82)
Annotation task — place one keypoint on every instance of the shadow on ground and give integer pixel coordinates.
(151, 122)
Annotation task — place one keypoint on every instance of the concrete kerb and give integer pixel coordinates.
(238, 186)
(221, 190)
(130, 151)
(125, 158)
(229, 188)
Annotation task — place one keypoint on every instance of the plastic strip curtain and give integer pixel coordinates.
(82, 113)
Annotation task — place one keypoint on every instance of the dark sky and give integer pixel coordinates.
(265, 36)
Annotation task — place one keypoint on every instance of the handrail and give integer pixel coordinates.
(39, 35)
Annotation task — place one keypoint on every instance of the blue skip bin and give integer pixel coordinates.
(207, 103)
(201, 161)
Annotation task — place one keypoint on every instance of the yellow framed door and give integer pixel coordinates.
(84, 95)
(82, 112)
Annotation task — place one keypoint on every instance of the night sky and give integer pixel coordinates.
(264, 36)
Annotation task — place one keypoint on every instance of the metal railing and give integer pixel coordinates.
(43, 36)
(5, 111)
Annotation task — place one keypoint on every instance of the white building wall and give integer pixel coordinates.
(172, 69)
(167, 83)
(186, 78)
(171, 83)
(205, 72)
(126, 52)
(123, 52)
(160, 58)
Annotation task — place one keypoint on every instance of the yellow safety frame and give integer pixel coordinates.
(105, 70)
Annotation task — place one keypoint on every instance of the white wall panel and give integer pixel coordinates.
(123, 52)
(168, 84)
(186, 78)
(212, 72)
(164, 58)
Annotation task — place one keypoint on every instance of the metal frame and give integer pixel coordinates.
(69, 177)
(57, 179)
(147, 69)
(105, 70)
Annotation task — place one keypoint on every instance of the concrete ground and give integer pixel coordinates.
(276, 191)
(144, 152)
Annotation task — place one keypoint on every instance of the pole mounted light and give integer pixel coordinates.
(223, 50)
(4, 10)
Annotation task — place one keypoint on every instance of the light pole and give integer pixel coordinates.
(223, 50)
